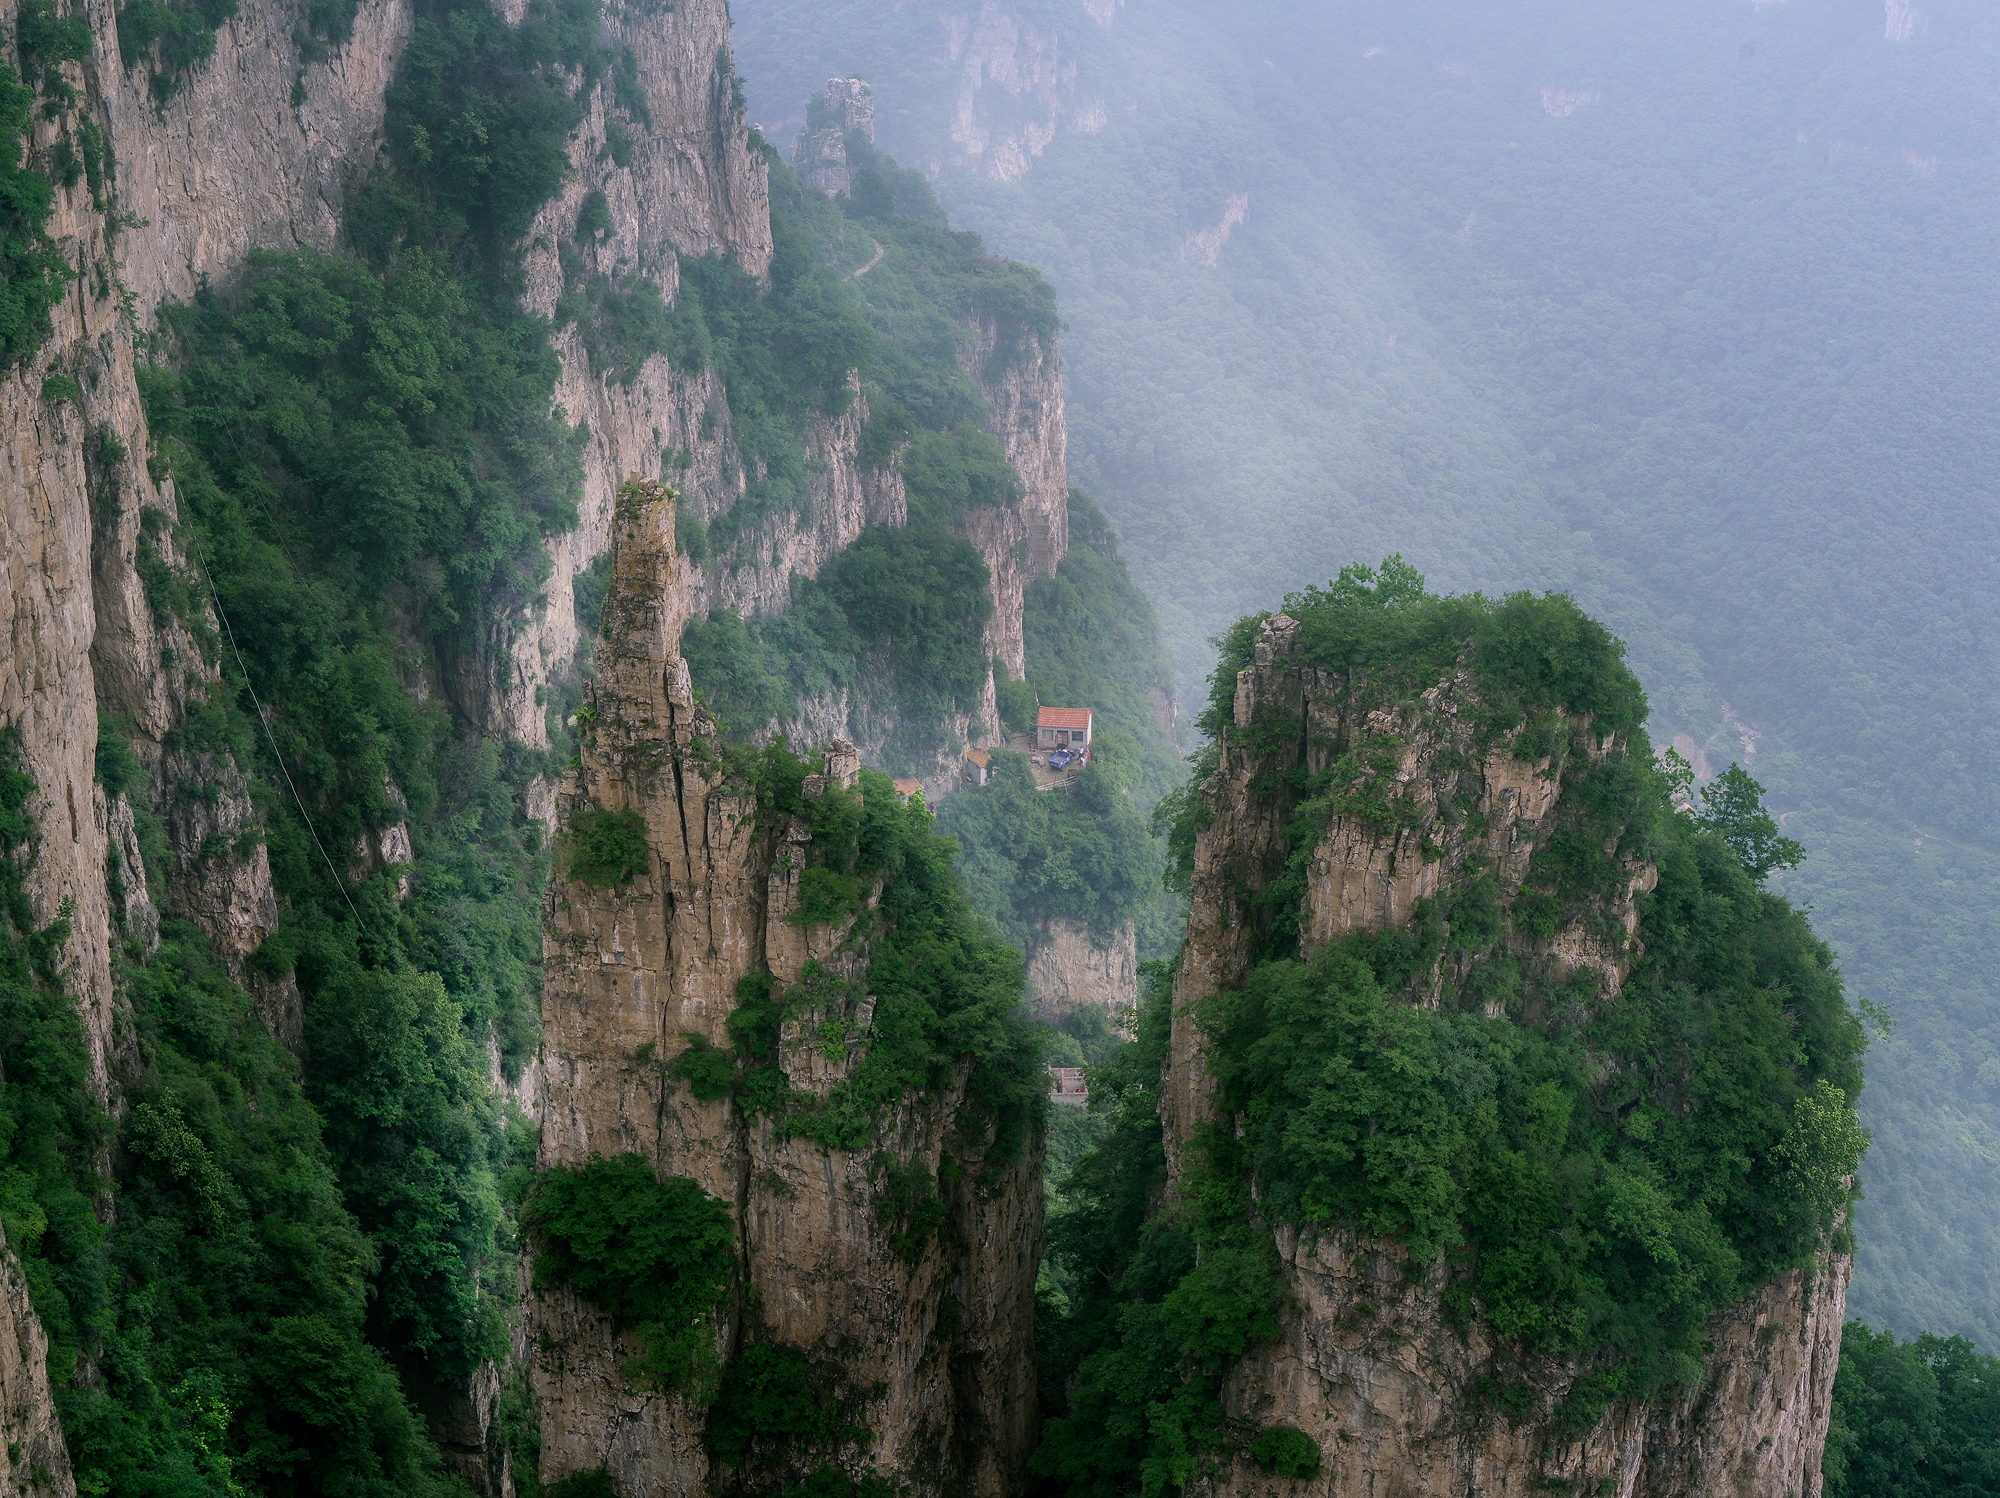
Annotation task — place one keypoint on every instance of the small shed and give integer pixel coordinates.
(908, 788)
(978, 766)
(1062, 728)
(1066, 1086)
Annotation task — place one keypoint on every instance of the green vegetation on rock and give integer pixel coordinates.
(366, 461)
(1588, 1176)
(34, 277)
(656, 1254)
(223, 1315)
(896, 620)
(606, 848)
(947, 990)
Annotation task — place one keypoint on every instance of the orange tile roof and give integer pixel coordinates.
(908, 788)
(1063, 717)
(978, 756)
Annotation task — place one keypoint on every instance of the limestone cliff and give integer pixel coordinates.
(689, 183)
(1368, 1364)
(1016, 87)
(253, 150)
(1022, 380)
(943, 1341)
(819, 155)
(1068, 970)
(33, 1459)
(259, 147)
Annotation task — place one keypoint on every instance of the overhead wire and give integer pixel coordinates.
(264, 718)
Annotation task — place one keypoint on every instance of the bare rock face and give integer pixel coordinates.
(33, 1459)
(820, 152)
(1017, 88)
(684, 182)
(941, 1339)
(1068, 971)
(1020, 544)
(1369, 1369)
(1366, 1363)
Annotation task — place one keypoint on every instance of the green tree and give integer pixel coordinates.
(1733, 806)
(1918, 1419)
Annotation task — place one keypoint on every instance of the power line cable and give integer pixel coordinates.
(264, 718)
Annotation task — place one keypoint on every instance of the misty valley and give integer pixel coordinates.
(1032, 748)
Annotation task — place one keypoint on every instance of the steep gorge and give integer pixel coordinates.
(781, 998)
(266, 143)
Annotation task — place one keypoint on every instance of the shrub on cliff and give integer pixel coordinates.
(655, 1254)
(947, 990)
(33, 274)
(607, 848)
(1590, 1176)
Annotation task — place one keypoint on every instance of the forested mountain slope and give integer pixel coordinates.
(327, 342)
(1688, 309)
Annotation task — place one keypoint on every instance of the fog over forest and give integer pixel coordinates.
(1688, 310)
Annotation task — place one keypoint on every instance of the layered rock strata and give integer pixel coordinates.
(1069, 970)
(1367, 1363)
(1019, 543)
(819, 155)
(943, 1343)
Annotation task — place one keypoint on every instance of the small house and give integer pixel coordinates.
(908, 788)
(1062, 728)
(1066, 1086)
(978, 766)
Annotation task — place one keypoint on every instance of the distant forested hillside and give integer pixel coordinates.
(1689, 309)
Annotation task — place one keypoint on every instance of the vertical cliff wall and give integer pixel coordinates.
(262, 145)
(1068, 970)
(253, 150)
(1022, 379)
(941, 1340)
(1370, 1364)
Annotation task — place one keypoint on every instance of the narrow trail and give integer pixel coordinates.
(872, 263)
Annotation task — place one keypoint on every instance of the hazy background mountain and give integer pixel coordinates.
(1688, 309)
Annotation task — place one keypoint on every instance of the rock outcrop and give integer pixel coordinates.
(820, 154)
(1368, 1364)
(1368, 1367)
(942, 1340)
(1016, 87)
(1022, 380)
(1068, 970)
(33, 1459)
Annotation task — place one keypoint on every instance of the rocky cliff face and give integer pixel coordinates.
(256, 148)
(1023, 382)
(1368, 1367)
(690, 185)
(1069, 971)
(33, 1459)
(253, 150)
(1016, 88)
(944, 1341)
(820, 153)
(1367, 1364)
